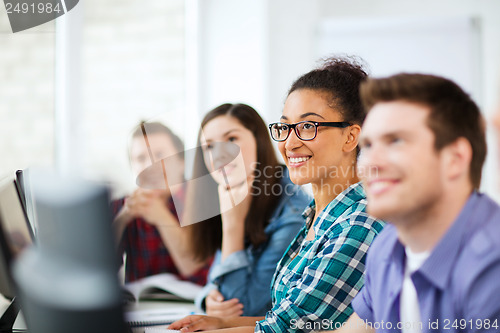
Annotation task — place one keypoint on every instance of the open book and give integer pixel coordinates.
(164, 286)
(162, 329)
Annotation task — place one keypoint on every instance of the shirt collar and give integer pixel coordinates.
(308, 214)
(438, 267)
(334, 209)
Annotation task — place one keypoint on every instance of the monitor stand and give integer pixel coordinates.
(9, 316)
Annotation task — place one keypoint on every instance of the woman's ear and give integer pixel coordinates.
(352, 137)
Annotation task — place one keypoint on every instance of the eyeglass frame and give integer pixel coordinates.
(338, 124)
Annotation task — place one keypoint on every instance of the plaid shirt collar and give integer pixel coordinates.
(344, 200)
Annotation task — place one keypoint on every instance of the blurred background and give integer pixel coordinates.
(72, 90)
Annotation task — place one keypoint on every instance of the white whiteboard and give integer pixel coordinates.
(448, 46)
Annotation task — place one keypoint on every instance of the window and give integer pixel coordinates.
(126, 63)
(26, 96)
(133, 69)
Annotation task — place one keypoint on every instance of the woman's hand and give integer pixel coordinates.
(235, 202)
(150, 205)
(197, 323)
(218, 307)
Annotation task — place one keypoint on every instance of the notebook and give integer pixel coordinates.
(159, 329)
(150, 317)
(163, 286)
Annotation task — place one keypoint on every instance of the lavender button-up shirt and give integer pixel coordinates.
(458, 286)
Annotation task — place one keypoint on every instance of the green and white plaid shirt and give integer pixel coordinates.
(316, 280)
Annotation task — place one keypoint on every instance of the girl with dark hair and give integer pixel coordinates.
(322, 270)
(258, 211)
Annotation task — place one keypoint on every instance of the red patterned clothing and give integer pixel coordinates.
(146, 253)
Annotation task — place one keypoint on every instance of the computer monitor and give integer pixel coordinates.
(68, 282)
(15, 235)
(24, 190)
(20, 187)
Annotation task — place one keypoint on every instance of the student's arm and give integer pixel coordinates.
(202, 323)
(151, 206)
(234, 205)
(175, 239)
(217, 306)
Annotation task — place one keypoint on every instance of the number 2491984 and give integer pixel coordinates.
(32, 8)
(463, 324)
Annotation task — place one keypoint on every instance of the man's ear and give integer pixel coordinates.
(458, 156)
(352, 138)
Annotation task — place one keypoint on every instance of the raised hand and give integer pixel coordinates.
(150, 205)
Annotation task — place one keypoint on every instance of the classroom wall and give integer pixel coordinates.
(233, 52)
(125, 62)
(487, 11)
(290, 31)
(26, 96)
(132, 69)
(247, 51)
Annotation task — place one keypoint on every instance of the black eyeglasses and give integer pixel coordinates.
(305, 130)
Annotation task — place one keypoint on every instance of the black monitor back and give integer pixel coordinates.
(15, 232)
